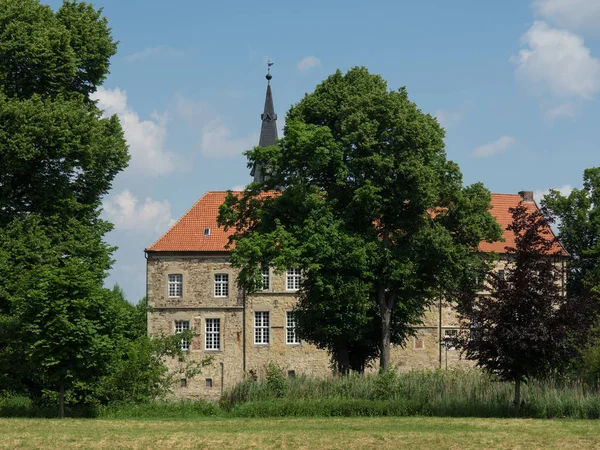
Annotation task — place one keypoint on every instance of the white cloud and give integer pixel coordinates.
(238, 187)
(126, 214)
(570, 14)
(563, 110)
(146, 138)
(564, 190)
(494, 148)
(558, 61)
(153, 53)
(308, 63)
(448, 119)
(218, 141)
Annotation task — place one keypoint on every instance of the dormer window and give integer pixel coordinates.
(207, 232)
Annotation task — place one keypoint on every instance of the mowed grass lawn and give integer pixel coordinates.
(313, 433)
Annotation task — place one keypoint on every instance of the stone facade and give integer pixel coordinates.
(238, 355)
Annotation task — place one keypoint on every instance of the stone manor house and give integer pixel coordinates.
(191, 285)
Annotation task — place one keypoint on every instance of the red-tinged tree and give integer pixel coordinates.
(526, 327)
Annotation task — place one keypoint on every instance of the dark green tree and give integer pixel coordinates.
(578, 221)
(361, 180)
(62, 327)
(59, 156)
(526, 327)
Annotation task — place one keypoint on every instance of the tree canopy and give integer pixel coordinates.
(59, 156)
(578, 221)
(368, 206)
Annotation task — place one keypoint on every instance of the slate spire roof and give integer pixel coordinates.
(268, 130)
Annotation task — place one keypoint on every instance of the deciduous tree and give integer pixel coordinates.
(578, 220)
(362, 181)
(58, 158)
(526, 327)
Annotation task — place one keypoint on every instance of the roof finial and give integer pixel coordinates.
(269, 76)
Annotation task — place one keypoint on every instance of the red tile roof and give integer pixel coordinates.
(187, 234)
(500, 210)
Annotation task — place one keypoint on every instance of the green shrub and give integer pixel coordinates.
(275, 380)
(161, 410)
(15, 406)
(386, 384)
(323, 408)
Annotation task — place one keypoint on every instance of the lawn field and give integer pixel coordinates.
(330, 433)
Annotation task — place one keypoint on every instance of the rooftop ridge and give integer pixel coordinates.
(186, 235)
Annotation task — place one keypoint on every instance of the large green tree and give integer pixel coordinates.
(578, 221)
(362, 179)
(59, 157)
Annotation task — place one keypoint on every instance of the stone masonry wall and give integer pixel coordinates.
(198, 303)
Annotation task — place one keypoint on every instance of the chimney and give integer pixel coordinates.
(526, 196)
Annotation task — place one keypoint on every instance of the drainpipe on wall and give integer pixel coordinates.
(562, 279)
(440, 330)
(222, 376)
(147, 310)
(244, 332)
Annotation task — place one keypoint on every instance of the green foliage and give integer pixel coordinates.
(160, 410)
(324, 408)
(275, 379)
(60, 330)
(49, 53)
(587, 365)
(578, 222)
(457, 393)
(368, 206)
(386, 382)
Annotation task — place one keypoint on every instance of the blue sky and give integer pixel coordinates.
(514, 82)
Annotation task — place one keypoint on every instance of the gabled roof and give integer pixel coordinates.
(501, 203)
(187, 234)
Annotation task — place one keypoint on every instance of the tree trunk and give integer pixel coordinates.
(61, 400)
(343, 362)
(385, 310)
(517, 400)
(386, 329)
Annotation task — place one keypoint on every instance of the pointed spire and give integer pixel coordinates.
(268, 131)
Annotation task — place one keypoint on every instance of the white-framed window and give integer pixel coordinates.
(450, 336)
(261, 327)
(221, 285)
(180, 326)
(213, 334)
(290, 329)
(293, 278)
(175, 285)
(266, 278)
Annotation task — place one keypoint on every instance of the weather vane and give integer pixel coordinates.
(269, 76)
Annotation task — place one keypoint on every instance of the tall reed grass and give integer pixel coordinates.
(458, 393)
